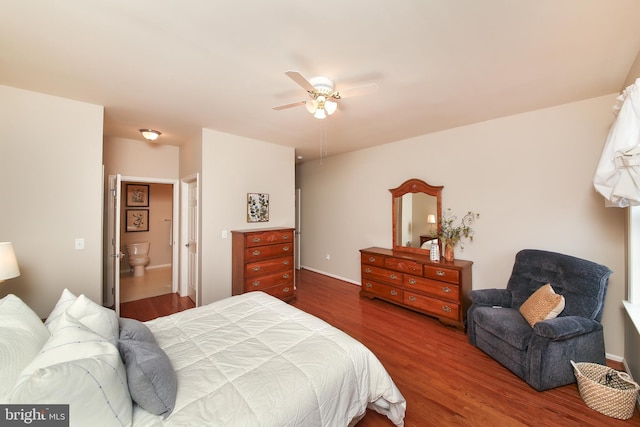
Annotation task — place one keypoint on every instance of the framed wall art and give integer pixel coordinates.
(137, 220)
(138, 195)
(257, 207)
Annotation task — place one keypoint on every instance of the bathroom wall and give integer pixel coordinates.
(160, 210)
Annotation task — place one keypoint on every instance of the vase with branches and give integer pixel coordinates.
(453, 233)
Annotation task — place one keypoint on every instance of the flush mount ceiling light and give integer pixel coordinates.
(150, 134)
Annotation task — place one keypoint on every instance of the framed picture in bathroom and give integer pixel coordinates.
(138, 195)
(137, 220)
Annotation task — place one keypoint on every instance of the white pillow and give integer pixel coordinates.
(80, 368)
(22, 335)
(101, 320)
(66, 299)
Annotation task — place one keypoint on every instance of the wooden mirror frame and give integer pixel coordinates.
(414, 186)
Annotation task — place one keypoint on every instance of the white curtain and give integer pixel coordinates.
(618, 175)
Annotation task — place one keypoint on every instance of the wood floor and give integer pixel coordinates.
(445, 380)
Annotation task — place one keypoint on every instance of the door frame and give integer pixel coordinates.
(184, 236)
(174, 230)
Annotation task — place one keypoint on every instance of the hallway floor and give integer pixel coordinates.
(156, 281)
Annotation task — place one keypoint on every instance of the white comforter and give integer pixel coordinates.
(254, 360)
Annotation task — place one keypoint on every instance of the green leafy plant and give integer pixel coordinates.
(452, 234)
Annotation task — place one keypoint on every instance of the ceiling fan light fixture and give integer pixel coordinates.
(320, 114)
(312, 106)
(330, 107)
(150, 134)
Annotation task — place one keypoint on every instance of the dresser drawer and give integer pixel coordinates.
(371, 259)
(382, 275)
(268, 266)
(406, 266)
(283, 291)
(269, 280)
(268, 238)
(382, 290)
(436, 307)
(266, 252)
(435, 288)
(441, 273)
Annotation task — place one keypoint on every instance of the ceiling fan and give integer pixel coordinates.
(323, 95)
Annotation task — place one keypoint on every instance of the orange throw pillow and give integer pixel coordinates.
(543, 304)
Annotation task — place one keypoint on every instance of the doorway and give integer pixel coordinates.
(133, 218)
(154, 211)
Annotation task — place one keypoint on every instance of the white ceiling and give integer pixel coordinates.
(179, 66)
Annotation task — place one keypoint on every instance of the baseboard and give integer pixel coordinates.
(615, 358)
(148, 267)
(151, 267)
(344, 279)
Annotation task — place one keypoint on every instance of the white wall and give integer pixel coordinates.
(529, 176)
(51, 192)
(131, 157)
(233, 166)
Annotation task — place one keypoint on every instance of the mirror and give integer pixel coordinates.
(417, 210)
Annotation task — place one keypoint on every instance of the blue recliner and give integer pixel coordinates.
(540, 354)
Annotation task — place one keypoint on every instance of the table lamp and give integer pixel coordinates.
(431, 220)
(8, 262)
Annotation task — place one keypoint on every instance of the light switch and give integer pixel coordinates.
(224, 234)
(79, 244)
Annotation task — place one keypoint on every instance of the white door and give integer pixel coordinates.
(113, 254)
(297, 232)
(189, 238)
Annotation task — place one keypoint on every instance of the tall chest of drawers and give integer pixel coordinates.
(262, 260)
(439, 289)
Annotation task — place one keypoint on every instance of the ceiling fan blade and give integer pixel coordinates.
(358, 90)
(298, 78)
(285, 106)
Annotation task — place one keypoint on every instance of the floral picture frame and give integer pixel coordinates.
(137, 220)
(257, 207)
(138, 195)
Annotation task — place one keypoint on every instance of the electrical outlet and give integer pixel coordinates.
(224, 234)
(328, 257)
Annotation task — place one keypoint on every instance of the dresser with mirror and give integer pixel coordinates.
(405, 274)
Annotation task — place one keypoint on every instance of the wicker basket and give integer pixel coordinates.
(606, 390)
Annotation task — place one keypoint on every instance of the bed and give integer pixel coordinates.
(247, 360)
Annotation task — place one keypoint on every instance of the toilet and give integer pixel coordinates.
(138, 257)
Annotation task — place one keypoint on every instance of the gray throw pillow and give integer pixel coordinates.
(131, 329)
(150, 375)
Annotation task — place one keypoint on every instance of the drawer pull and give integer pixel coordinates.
(255, 283)
(256, 240)
(285, 276)
(393, 276)
(367, 270)
(285, 262)
(440, 273)
(286, 290)
(446, 289)
(372, 259)
(412, 298)
(446, 308)
(256, 268)
(394, 293)
(256, 253)
(285, 249)
(285, 237)
(412, 281)
(368, 285)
